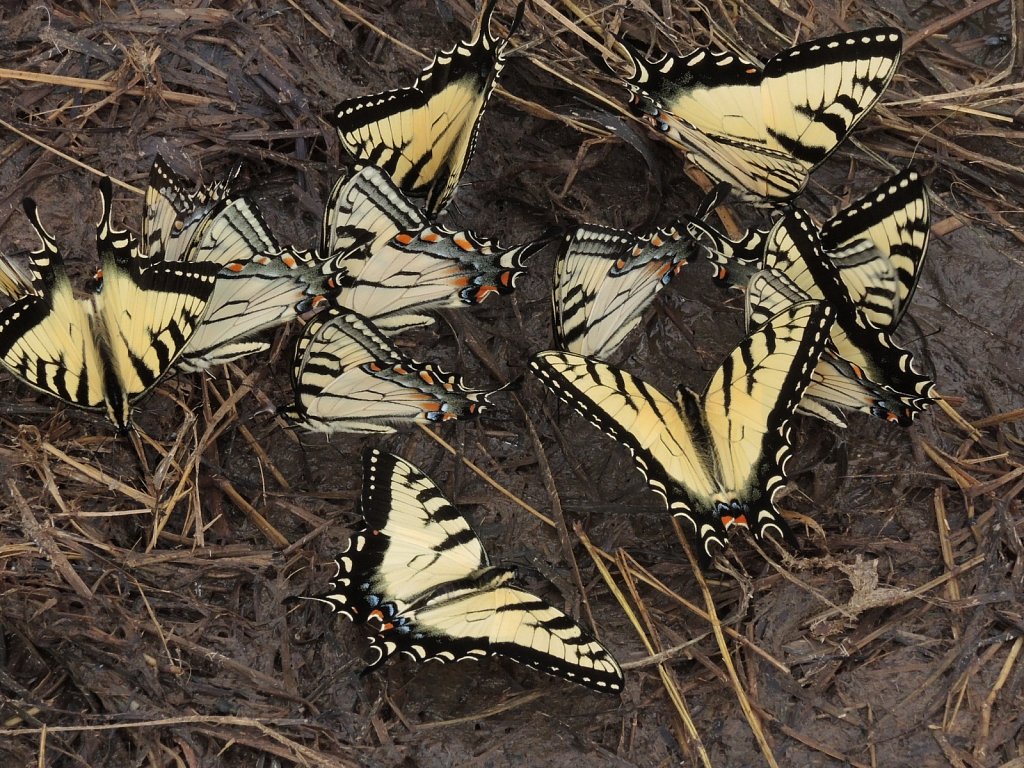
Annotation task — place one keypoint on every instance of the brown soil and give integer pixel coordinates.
(141, 600)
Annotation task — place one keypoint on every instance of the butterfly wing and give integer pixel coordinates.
(46, 337)
(748, 405)
(604, 280)
(411, 541)
(504, 621)
(348, 377)
(892, 220)
(14, 281)
(418, 575)
(766, 130)
(147, 315)
(387, 262)
(234, 232)
(423, 136)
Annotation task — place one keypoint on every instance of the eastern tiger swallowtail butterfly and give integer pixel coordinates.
(107, 351)
(878, 243)
(416, 574)
(348, 377)
(259, 285)
(836, 384)
(174, 212)
(423, 135)
(891, 388)
(765, 130)
(718, 458)
(382, 257)
(605, 278)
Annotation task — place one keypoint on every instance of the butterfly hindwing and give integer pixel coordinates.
(505, 621)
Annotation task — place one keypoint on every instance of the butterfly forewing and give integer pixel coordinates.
(412, 540)
(234, 232)
(892, 220)
(148, 315)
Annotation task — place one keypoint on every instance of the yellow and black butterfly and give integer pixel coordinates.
(417, 576)
(347, 376)
(105, 352)
(718, 458)
(259, 286)
(868, 371)
(423, 135)
(380, 256)
(878, 243)
(765, 130)
(605, 278)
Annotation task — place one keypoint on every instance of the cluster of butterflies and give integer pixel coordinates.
(205, 278)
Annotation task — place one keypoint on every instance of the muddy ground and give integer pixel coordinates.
(141, 599)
